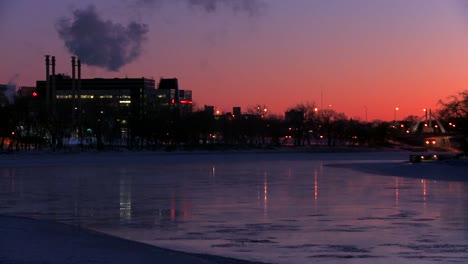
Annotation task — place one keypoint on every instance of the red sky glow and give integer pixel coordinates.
(360, 56)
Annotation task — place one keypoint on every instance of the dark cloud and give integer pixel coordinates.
(251, 7)
(99, 42)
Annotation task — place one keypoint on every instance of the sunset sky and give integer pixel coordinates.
(351, 54)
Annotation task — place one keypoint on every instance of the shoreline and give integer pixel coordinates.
(53, 159)
(201, 151)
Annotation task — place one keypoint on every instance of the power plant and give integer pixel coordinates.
(86, 104)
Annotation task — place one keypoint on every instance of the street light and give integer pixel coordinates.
(394, 113)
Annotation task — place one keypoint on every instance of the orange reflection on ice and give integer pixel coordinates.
(315, 185)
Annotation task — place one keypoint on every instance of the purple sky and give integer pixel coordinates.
(352, 55)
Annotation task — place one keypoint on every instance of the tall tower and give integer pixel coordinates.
(47, 63)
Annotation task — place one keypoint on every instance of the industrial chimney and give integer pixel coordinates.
(73, 61)
(53, 91)
(79, 85)
(47, 62)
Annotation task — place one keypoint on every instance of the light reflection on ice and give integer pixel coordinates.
(289, 208)
(125, 197)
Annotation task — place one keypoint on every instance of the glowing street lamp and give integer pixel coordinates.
(394, 113)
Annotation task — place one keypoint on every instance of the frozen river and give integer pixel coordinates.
(276, 208)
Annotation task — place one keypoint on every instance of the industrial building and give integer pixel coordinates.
(120, 104)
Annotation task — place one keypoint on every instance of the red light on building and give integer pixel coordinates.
(185, 101)
(173, 101)
(34, 94)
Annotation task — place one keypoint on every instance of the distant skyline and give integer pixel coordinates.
(357, 56)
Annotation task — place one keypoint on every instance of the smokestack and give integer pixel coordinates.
(73, 81)
(53, 96)
(79, 85)
(47, 62)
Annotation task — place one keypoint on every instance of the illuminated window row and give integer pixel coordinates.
(87, 96)
(64, 97)
(68, 96)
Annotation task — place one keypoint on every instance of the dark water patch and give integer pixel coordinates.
(251, 234)
(344, 256)
(347, 249)
(244, 250)
(253, 241)
(374, 218)
(429, 249)
(411, 224)
(301, 246)
(11, 202)
(423, 219)
(349, 230)
(214, 222)
(227, 245)
(243, 242)
(344, 226)
(27, 214)
(272, 227)
(405, 214)
(390, 245)
(316, 215)
(229, 230)
(440, 248)
(195, 233)
(437, 259)
(426, 240)
(206, 238)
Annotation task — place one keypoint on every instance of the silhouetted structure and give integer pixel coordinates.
(3, 97)
(210, 110)
(236, 111)
(116, 101)
(169, 95)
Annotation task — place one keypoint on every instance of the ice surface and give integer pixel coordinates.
(278, 208)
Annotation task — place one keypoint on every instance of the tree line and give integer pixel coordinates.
(25, 126)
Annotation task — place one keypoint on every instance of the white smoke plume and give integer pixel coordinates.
(11, 89)
(100, 42)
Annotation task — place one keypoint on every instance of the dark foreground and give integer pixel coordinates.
(24, 240)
